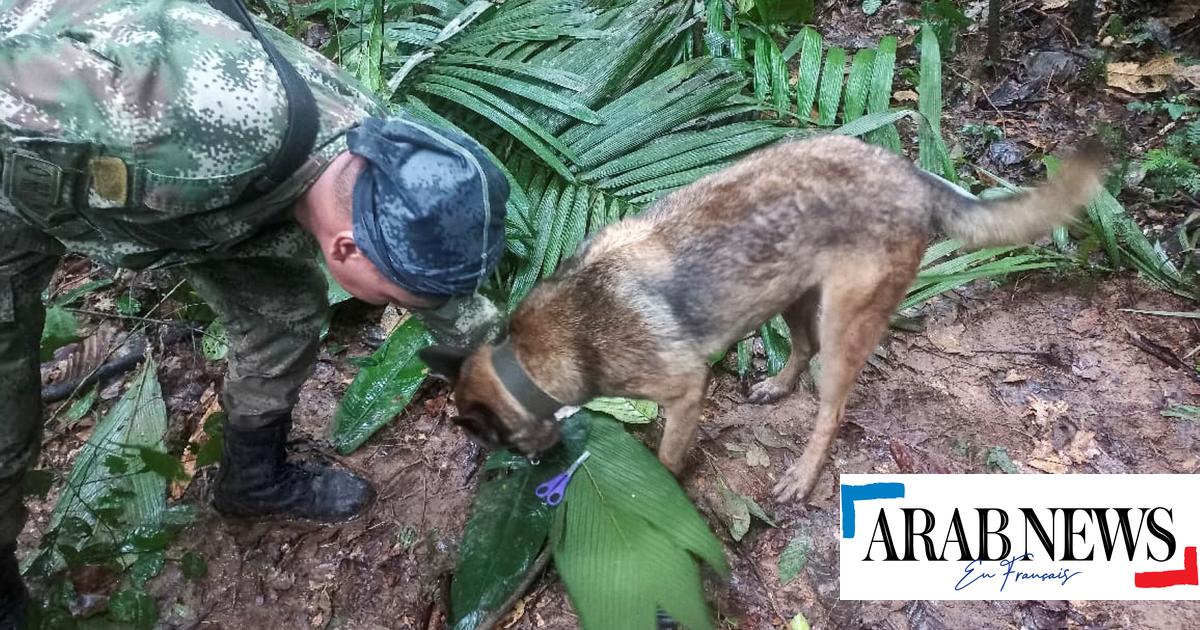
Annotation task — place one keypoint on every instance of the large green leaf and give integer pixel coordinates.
(933, 155)
(809, 72)
(880, 94)
(626, 410)
(138, 420)
(630, 538)
(383, 387)
(507, 528)
(60, 329)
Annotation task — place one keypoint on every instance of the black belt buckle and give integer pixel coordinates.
(32, 183)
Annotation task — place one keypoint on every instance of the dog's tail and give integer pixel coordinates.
(1024, 216)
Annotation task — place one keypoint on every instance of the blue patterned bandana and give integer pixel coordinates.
(428, 208)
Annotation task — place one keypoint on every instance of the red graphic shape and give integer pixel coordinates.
(1161, 579)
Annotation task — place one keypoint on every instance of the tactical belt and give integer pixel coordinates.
(301, 132)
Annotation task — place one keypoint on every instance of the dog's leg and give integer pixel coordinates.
(683, 411)
(858, 306)
(801, 318)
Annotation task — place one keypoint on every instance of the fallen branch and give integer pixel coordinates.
(129, 355)
(539, 565)
(1162, 353)
(119, 360)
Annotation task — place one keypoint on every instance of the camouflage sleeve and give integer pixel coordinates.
(462, 322)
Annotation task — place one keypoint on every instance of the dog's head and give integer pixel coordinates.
(489, 413)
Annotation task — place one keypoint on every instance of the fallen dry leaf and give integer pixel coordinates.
(390, 319)
(320, 609)
(903, 456)
(1045, 459)
(1150, 77)
(906, 95)
(1045, 412)
(517, 613)
(1081, 449)
(210, 402)
(1191, 74)
(756, 455)
(948, 339)
(771, 438)
(1050, 5)
(1013, 376)
(1086, 321)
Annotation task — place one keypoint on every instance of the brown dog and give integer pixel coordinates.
(831, 222)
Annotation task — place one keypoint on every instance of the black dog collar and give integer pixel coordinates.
(518, 383)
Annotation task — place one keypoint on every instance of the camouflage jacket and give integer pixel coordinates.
(130, 128)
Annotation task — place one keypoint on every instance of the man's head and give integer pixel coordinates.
(410, 215)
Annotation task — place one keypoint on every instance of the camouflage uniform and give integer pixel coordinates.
(130, 130)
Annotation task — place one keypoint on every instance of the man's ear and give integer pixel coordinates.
(444, 361)
(342, 247)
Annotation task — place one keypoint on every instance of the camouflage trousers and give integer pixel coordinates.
(273, 310)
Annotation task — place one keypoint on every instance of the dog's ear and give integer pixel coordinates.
(444, 361)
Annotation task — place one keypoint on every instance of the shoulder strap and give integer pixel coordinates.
(301, 132)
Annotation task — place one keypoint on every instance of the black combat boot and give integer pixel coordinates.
(256, 480)
(13, 596)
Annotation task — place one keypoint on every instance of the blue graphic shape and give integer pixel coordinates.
(850, 494)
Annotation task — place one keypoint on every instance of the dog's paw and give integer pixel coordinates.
(795, 484)
(767, 391)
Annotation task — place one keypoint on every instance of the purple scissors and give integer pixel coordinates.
(551, 492)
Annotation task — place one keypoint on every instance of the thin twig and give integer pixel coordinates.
(977, 85)
(148, 320)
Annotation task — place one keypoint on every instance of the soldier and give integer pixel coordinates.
(138, 134)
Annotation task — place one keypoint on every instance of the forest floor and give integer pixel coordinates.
(1041, 366)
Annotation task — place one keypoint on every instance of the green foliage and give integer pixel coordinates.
(133, 607)
(737, 510)
(383, 387)
(933, 156)
(164, 465)
(70, 297)
(215, 342)
(870, 7)
(1168, 173)
(128, 305)
(80, 407)
(61, 328)
(626, 410)
(626, 538)
(770, 12)
(776, 344)
(194, 566)
(1173, 168)
(794, 558)
(947, 19)
(1175, 107)
(1190, 413)
(208, 451)
(508, 528)
(998, 459)
(112, 512)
